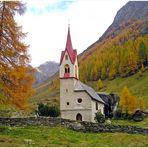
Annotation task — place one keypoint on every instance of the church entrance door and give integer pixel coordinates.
(79, 117)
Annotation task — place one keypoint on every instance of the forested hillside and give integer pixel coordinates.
(123, 48)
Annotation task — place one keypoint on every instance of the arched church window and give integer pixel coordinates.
(67, 68)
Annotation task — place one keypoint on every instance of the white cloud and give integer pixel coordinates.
(47, 31)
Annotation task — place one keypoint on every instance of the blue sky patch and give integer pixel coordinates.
(59, 6)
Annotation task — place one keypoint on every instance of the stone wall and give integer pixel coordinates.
(73, 125)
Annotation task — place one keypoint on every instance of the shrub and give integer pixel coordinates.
(99, 117)
(45, 110)
(54, 111)
(138, 116)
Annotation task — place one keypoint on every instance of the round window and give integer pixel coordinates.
(79, 100)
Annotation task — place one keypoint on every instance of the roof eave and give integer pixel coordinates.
(90, 96)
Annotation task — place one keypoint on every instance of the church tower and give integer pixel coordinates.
(68, 62)
(69, 74)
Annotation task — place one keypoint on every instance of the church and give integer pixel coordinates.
(78, 101)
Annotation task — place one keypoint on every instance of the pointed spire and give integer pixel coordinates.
(71, 52)
(69, 43)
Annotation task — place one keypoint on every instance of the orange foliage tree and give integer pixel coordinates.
(15, 76)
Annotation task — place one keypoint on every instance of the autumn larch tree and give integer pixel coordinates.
(127, 101)
(141, 104)
(15, 79)
(99, 84)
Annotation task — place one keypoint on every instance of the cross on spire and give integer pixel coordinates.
(68, 23)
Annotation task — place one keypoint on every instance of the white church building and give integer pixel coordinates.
(78, 101)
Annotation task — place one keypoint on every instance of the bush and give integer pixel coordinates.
(54, 111)
(45, 110)
(99, 117)
(138, 116)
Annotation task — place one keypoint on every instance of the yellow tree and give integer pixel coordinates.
(131, 104)
(99, 84)
(112, 71)
(142, 68)
(127, 101)
(141, 104)
(15, 76)
(132, 60)
(124, 99)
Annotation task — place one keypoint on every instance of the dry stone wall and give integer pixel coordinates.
(73, 125)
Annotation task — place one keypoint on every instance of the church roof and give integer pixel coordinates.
(79, 86)
(71, 52)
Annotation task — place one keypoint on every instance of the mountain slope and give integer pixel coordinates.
(137, 84)
(125, 41)
(130, 13)
(47, 92)
(44, 71)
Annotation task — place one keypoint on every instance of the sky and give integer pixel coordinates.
(46, 23)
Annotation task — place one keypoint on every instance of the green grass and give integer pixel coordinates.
(57, 136)
(143, 123)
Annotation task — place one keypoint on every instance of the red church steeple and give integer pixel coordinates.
(69, 47)
(71, 52)
(68, 61)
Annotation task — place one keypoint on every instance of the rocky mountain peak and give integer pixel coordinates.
(131, 11)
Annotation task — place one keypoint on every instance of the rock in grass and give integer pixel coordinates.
(28, 141)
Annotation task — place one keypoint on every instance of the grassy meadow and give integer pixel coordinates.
(57, 136)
